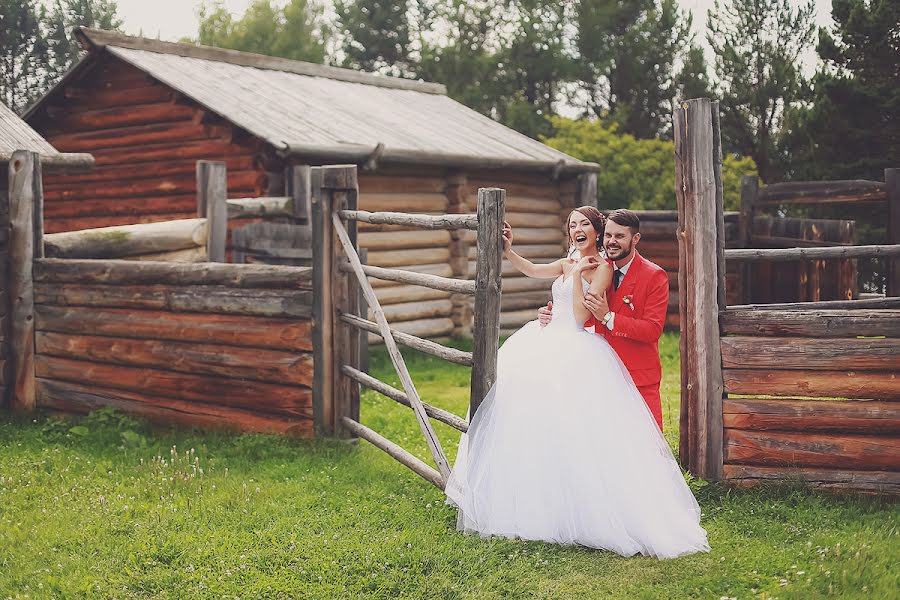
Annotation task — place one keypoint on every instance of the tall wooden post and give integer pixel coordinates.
(749, 192)
(297, 186)
(24, 167)
(457, 191)
(323, 311)
(720, 206)
(341, 183)
(892, 182)
(702, 387)
(491, 212)
(212, 203)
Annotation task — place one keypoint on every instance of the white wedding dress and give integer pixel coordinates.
(564, 449)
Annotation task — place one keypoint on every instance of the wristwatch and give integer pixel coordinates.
(607, 317)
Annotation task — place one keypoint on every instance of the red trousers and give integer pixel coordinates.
(654, 403)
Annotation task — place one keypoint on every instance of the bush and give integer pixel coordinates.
(636, 173)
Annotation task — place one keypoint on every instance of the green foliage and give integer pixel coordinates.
(637, 174)
(37, 45)
(210, 515)
(297, 31)
(757, 44)
(376, 35)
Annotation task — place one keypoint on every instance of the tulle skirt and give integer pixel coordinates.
(563, 449)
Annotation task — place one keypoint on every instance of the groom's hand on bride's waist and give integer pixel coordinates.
(598, 305)
(545, 314)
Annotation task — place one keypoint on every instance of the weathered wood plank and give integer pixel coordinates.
(395, 452)
(459, 286)
(877, 385)
(433, 348)
(447, 222)
(789, 254)
(439, 269)
(819, 354)
(422, 328)
(892, 193)
(813, 323)
(256, 364)
(787, 414)
(397, 258)
(127, 240)
(841, 451)
(264, 207)
(402, 240)
(212, 194)
(875, 303)
(189, 298)
(75, 398)
(393, 393)
(410, 311)
(23, 168)
(346, 299)
(818, 192)
(122, 272)
(399, 202)
(229, 330)
(225, 391)
(880, 482)
(488, 279)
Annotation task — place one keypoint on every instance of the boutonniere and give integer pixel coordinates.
(627, 300)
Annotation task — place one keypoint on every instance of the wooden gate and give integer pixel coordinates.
(798, 391)
(339, 275)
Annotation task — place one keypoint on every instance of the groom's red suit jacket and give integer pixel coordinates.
(640, 306)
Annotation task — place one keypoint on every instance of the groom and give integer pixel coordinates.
(632, 314)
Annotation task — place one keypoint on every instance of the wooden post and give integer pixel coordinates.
(720, 206)
(586, 190)
(38, 209)
(457, 191)
(345, 299)
(892, 182)
(702, 388)
(749, 192)
(486, 332)
(23, 168)
(212, 203)
(323, 311)
(297, 186)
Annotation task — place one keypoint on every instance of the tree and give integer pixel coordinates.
(376, 35)
(636, 173)
(693, 78)
(757, 44)
(297, 31)
(60, 23)
(627, 49)
(850, 130)
(23, 51)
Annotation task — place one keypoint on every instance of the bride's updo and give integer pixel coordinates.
(598, 221)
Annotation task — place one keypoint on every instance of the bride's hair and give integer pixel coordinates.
(598, 221)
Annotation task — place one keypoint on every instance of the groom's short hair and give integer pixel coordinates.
(626, 218)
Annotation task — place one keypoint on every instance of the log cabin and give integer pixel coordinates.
(148, 110)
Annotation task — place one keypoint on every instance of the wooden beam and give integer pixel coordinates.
(127, 240)
(788, 254)
(409, 387)
(874, 303)
(811, 323)
(23, 168)
(395, 452)
(789, 414)
(448, 284)
(698, 225)
(263, 207)
(427, 346)
(808, 192)
(488, 283)
(448, 222)
(844, 383)
(212, 197)
(892, 185)
(815, 354)
(323, 312)
(865, 481)
(393, 393)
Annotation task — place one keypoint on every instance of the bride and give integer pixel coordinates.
(563, 448)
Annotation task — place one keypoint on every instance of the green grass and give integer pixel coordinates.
(107, 507)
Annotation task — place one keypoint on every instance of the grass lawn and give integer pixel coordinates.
(106, 507)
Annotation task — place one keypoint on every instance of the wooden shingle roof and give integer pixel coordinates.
(16, 134)
(331, 113)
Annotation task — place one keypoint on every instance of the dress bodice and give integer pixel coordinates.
(563, 311)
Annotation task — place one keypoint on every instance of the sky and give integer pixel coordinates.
(173, 19)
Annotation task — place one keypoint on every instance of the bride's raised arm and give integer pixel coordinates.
(599, 274)
(525, 266)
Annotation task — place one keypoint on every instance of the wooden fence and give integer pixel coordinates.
(778, 392)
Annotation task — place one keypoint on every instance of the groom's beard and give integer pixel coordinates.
(619, 254)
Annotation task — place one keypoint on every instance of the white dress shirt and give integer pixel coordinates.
(624, 270)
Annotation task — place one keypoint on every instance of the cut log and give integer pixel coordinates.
(439, 270)
(517, 318)
(185, 151)
(80, 399)
(217, 299)
(458, 286)
(811, 415)
(223, 391)
(428, 347)
(121, 272)
(534, 220)
(116, 96)
(811, 353)
(134, 136)
(83, 223)
(117, 172)
(523, 300)
(419, 221)
(197, 254)
(408, 293)
(841, 451)
(410, 203)
(532, 236)
(129, 207)
(92, 119)
(525, 284)
(380, 184)
(814, 323)
(270, 366)
(127, 240)
(818, 192)
(412, 311)
(816, 384)
(396, 258)
(424, 328)
(874, 303)
(532, 251)
(791, 254)
(866, 481)
(398, 240)
(244, 331)
(533, 205)
(133, 188)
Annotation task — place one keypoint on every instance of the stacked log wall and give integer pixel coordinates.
(209, 345)
(812, 396)
(146, 139)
